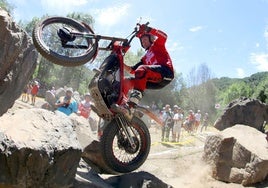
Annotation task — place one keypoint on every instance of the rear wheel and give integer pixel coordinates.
(49, 45)
(116, 150)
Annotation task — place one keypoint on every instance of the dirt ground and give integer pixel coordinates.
(180, 164)
(177, 164)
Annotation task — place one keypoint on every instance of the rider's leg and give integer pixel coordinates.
(143, 74)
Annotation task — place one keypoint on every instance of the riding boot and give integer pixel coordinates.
(126, 108)
(135, 97)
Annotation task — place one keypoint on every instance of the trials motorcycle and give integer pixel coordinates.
(125, 140)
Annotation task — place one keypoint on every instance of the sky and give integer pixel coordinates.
(229, 36)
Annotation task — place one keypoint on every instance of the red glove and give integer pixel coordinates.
(143, 29)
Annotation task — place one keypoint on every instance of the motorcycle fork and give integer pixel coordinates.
(125, 126)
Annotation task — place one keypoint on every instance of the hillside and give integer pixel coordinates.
(253, 80)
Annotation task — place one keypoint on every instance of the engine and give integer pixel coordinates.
(109, 82)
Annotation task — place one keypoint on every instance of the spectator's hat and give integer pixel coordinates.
(69, 90)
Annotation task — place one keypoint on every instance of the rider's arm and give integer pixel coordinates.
(128, 68)
(137, 65)
(131, 69)
(161, 36)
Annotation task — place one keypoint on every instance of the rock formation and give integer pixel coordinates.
(18, 59)
(38, 148)
(238, 154)
(251, 112)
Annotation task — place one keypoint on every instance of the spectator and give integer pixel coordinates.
(197, 120)
(205, 122)
(85, 107)
(168, 123)
(153, 106)
(178, 117)
(189, 123)
(34, 91)
(24, 94)
(67, 104)
(29, 89)
(53, 91)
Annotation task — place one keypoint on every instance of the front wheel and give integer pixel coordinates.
(49, 44)
(116, 150)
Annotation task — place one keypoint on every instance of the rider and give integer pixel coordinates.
(155, 70)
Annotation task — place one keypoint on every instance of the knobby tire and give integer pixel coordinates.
(109, 157)
(51, 54)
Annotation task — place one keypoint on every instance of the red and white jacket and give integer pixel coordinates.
(157, 53)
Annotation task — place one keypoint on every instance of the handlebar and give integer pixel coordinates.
(125, 41)
(136, 30)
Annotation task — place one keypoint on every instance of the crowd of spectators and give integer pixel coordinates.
(30, 92)
(175, 118)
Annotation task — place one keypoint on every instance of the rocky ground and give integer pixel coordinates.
(177, 164)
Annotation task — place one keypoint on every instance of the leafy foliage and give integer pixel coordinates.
(6, 6)
(253, 87)
(261, 89)
(236, 90)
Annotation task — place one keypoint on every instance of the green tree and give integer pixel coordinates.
(132, 58)
(236, 90)
(261, 91)
(28, 26)
(170, 94)
(82, 17)
(200, 92)
(7, 6)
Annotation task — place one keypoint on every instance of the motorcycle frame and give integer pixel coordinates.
(118, 46)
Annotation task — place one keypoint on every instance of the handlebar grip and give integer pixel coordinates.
(147, 23)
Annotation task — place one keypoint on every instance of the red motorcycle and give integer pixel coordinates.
(125, 141)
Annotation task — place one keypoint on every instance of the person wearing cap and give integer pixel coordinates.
(154, 70)
(67, 104)
(168, 123)
(178, 117)
(84, 107)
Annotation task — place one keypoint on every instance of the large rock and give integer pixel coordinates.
(92, 155)
(38, 148)
(17, 61)
(238, 154)
(83, 130)
(251, 112)
(86, 177)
